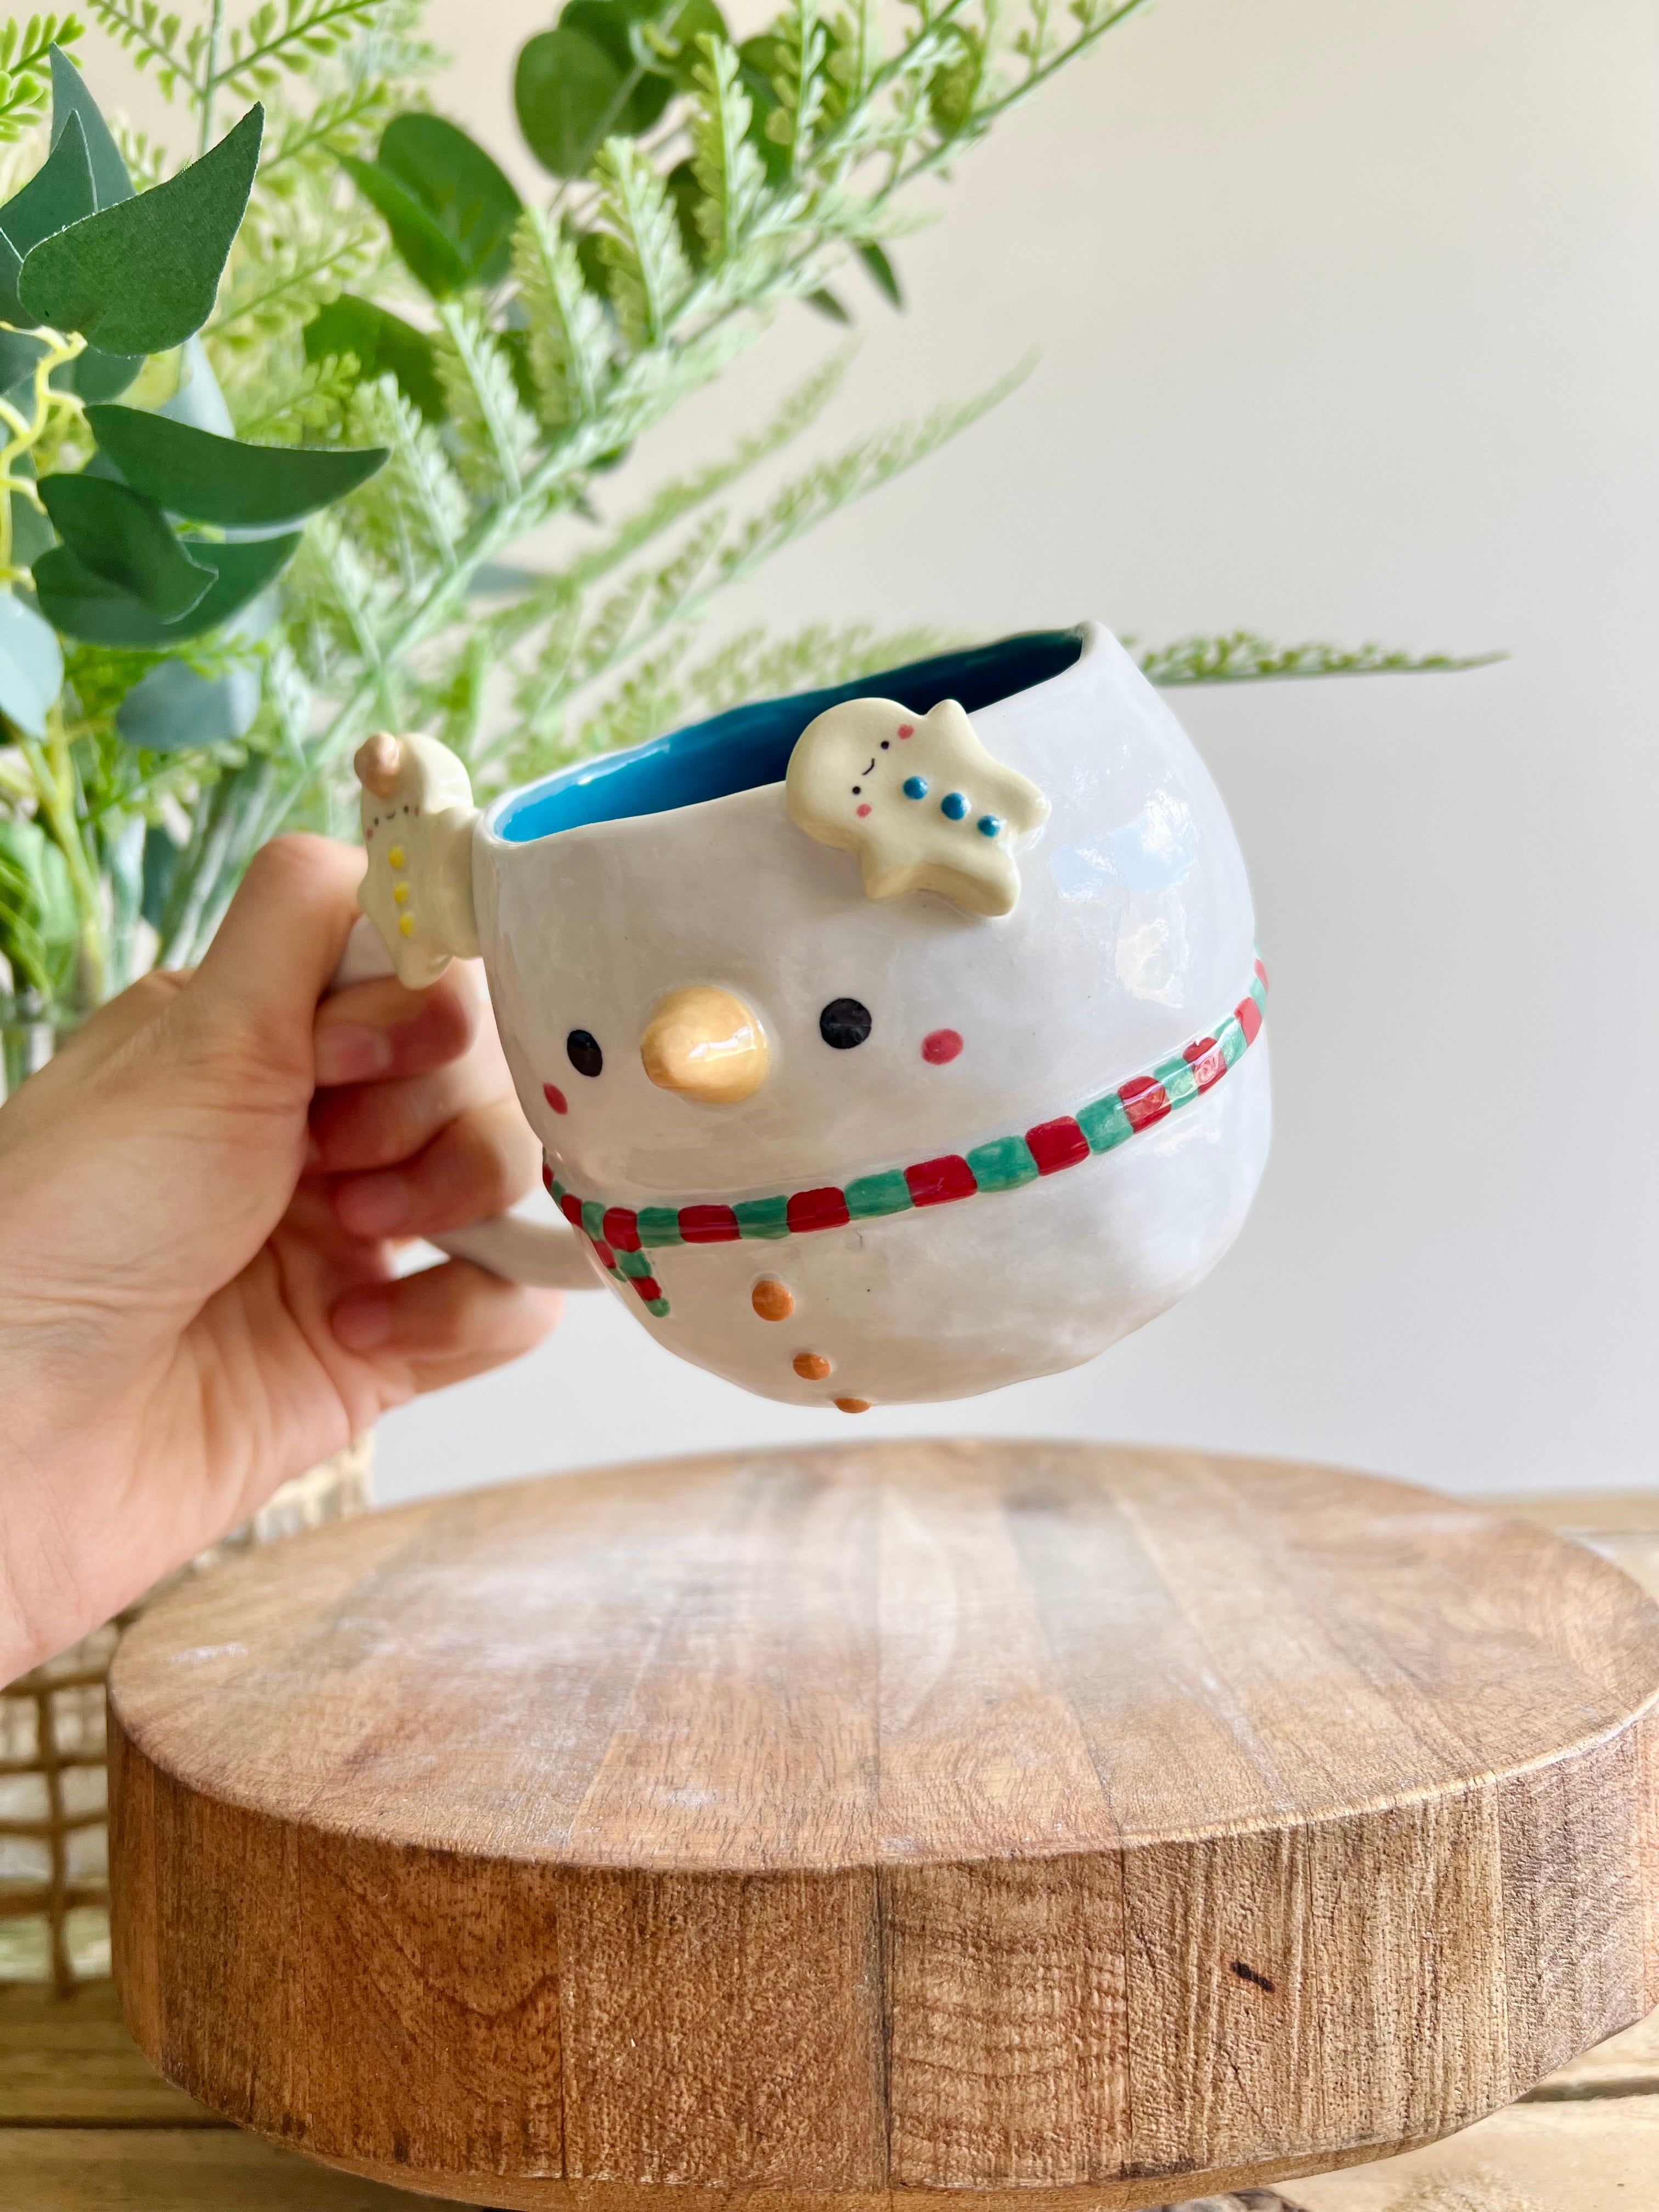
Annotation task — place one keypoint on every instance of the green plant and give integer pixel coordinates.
(388, 292)
(139, 544)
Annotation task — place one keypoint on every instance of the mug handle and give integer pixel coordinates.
(533, 1252)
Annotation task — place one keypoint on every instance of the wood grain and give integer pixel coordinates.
(847, 1826)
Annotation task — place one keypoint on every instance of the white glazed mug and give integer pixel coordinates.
(864, 1084)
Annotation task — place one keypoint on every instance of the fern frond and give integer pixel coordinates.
(659, 693)
(1242, 657)
(152, 40)
(726, 167)
(416, 509)
(647, 702)
(754, 665)
(495, 439)
(292, 39)
(799, 81)
(715, 557)
(682, 495)
(829, 485)
(25, 68)
(340, 124)
(569, 347)
(148, 162)
(278, 283)
(640, 240)
(290, 403)
(344, 605)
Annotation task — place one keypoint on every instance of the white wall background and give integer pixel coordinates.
(1350, 328)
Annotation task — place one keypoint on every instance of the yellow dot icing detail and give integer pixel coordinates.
(406, 924)
(400, 893)
(396, 856)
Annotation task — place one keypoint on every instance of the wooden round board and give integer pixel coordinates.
(847, 1826)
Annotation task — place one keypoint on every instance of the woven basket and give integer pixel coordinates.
(54, 1846)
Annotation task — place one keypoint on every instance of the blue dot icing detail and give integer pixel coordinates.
(988, 824)
(953, 804)
(915, 787)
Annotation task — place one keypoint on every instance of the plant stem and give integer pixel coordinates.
(209, 77)
(53, 771)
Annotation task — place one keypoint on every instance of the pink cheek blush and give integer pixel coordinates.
(863, 811)
(556, 1098)
(940, 1045)
(907, 729)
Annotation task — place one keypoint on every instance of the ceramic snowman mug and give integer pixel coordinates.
(885, 1043)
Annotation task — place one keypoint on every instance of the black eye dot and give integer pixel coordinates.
(857, 788)
(583, 1047)
(843, 1023)
(885, 743)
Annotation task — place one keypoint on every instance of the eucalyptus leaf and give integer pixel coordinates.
(431, 258)
(433, 183)
(657, 36)
(31, 666)
(617, 29)
(95, 374)
(220, 480)
(11, 271)
(382, 343)
(31, 533)
(69, 97)
(883, 273)
(141, 276)
(827, 304)
(125, 540)
(19, 356)
(669, 44)
(161, 857)
(173, 707)
(59, 192)
(568, 93)
(82, 605)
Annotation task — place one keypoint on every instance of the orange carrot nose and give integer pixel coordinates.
(705, 1044)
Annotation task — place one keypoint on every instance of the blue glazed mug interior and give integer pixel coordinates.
(749, 746)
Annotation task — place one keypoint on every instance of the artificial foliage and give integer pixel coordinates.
(283, 404)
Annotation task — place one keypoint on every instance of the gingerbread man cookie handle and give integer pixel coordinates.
(416, 897)
(418, 817)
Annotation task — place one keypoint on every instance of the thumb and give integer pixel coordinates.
(280, 942)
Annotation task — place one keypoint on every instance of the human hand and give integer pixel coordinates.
(200, 1199)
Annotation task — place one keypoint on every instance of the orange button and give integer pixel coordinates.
(811, 1366)
(771, 1299)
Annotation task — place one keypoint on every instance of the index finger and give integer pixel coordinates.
(368, 1032)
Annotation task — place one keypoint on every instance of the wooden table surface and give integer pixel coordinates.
(85, 2123)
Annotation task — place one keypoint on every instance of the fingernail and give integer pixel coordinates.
(351, 1052)
(362, 1320)
(372, 1204)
